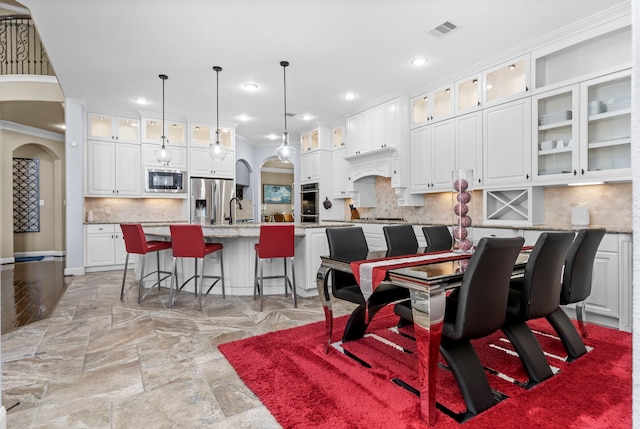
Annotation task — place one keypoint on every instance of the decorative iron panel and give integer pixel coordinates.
(26, 195)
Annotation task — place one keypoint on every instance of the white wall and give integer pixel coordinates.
(74, 142)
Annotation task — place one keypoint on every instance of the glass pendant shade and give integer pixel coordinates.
(217, 151)
(163, 155)
(286, 152)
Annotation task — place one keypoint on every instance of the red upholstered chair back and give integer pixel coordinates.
(134, 239)
(276, 241)
(187, 241)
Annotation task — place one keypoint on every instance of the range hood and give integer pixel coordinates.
(374, 163)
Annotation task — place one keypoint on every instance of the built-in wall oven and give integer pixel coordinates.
(309, 202)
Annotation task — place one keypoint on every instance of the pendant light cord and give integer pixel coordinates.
(218, 70)
(163, 77)
(284, 65)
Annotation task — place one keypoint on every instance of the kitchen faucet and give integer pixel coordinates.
(230, 205)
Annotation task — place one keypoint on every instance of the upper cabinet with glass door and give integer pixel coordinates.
(202, 135)
(507, 81)
(175, 132)
(338, 138)
(468, 94)
(555, 148)
(605, 128)
(433, 106)
(113, 128)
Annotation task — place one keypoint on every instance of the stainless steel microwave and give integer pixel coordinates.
(165, 181)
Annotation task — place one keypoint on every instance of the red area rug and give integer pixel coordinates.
(305, 388)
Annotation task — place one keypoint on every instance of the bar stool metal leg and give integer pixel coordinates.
(293, 289)
(141, 281)
(222, 274)
(124, 276)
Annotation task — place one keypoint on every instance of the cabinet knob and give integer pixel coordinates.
(575, 172)
(527, 176)
(582, 171)
(478, 103)
(479, 180)
(526, 89)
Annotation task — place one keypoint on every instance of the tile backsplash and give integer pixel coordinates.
(609, 205)
(115, 210)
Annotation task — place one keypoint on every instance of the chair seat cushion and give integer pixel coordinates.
(384, 294)
(212, 247)
(154, 246)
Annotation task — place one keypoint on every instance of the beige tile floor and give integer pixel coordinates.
(98, 362)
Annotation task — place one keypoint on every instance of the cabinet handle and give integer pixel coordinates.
(113, 191)
(478, 103)
(582, 171)
(527, 177)
(526, 89)
(479, 180)
(575, 172)
(395, 172)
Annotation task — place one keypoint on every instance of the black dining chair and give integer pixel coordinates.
(438, 238)
(401, 240)
(536, 295)
(576, 288)
(348, 244)
(478, 310)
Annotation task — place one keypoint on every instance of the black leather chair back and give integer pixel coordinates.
(401, 240)
(543, 275)
(347, 244)
(482, 299)
(578, 266)
(438, 238)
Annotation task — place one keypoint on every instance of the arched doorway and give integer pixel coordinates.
(275, 172)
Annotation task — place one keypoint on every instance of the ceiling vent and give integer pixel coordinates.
(443, 29)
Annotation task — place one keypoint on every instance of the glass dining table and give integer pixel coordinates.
(427, 277)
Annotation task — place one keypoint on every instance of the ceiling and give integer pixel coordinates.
(106, 53)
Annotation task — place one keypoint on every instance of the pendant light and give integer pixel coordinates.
(217, 151)
(285, 152)
(163, 155)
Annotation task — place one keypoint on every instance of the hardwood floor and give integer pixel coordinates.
(30, 291)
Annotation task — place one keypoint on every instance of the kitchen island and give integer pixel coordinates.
(239, 256)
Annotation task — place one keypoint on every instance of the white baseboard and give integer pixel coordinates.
(7, 261)
(73, 271)
(39, 253)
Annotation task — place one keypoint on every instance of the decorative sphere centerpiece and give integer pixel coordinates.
(462, 181)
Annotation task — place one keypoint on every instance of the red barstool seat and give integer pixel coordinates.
(188, 242)
(136, 243)
(276, 241)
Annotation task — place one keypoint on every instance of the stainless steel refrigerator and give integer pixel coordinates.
(210, 200)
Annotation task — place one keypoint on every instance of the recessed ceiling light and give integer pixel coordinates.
(349, 96)
(250, 86)
(141, 100)
(273, 136)
(418, 62)
(243, 117)
(306, 117)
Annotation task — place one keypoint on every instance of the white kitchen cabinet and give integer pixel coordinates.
(342, 184)
(150, 156)
(113, 169)
(433, 106)
(104, 245)
(202, 165)
(507, 81)
(307, 259)
(605, 129)
(555, 143)
(374, 235)
(339, 137)
(468, 145)
(202, 135)
(432, 157)
(175, 132)
(310, 167)
(113, 128)
(507, 144)
(468, 94)
(375, 129)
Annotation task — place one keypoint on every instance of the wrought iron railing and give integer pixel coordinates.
(21, 50)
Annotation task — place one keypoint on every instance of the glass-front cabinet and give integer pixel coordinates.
(202, 135)
(468, 93)
(113, 128)
(175, 132)
(338, 138)
(507, 81)
(555, 117)
(605, 127)
(433, 106)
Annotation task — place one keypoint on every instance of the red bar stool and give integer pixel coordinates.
(136, 243)
(276, 241)
(188, 242)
